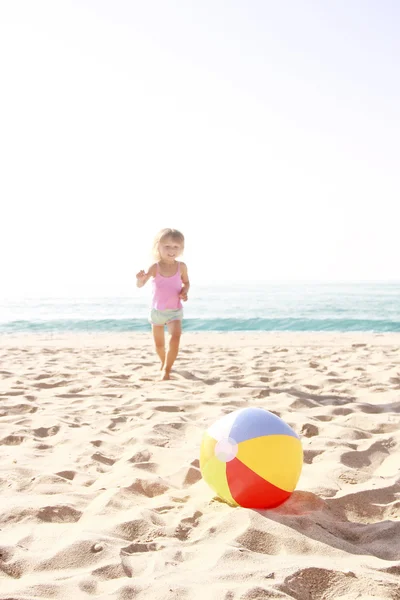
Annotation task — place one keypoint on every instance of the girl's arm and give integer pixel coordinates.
(142, 277)
(185, 282)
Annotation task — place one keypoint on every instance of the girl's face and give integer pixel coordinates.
(169, 249)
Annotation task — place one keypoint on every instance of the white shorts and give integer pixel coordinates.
(163, 317)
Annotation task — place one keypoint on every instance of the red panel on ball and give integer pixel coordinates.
(250, 490)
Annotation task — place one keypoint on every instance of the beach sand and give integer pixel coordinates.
(101, 494)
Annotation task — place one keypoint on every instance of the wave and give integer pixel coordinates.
(211, 324)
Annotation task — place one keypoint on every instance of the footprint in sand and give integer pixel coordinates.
(368, 519)
(186, 526)
(135, 559)
(371, 409)
(301, 403)
(46, 431)
(105, 460)
(309, 430)
(71, 395)
(168, 408)
(96, 443)
(70, 475)
(59, 514)
(6, 553)
(314, 582)
(49, 386)
(263, 394)
(342, 412)
(139, 547)
(42, 376)
(323, 418)
(309, 455)
(88, 586)
(114, 422)
(109, 572)
(141, 456)
(149, 488)
(151, 467)
(193, 475)
(166, 508)
(396, 382)
(12, 440)
(19, 409)
(372, 457)
(193, 377)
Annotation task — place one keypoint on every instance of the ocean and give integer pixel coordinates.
(362, 307)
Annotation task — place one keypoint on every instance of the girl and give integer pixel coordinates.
(170, 286)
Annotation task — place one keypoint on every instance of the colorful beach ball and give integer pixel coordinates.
(251, 458)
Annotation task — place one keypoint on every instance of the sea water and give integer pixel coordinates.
(373, 307)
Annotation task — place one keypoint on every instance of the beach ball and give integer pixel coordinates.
(251, 458)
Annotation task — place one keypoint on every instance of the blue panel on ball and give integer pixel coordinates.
(257, 422)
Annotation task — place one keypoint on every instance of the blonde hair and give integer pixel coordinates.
(176, 235)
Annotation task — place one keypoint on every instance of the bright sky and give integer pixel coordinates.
(267, 131)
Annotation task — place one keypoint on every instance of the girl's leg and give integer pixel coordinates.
(175, 330)
(159, 341)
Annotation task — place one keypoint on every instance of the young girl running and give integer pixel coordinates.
(170, 286)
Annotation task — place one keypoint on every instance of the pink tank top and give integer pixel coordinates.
(166, 290)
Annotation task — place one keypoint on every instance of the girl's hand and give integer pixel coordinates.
(183, 295)
(141, 278)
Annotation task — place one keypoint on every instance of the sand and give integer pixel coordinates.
(101, 495)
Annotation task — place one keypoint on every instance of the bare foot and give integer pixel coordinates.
(165, 375)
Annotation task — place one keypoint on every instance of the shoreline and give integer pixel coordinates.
(209, 338)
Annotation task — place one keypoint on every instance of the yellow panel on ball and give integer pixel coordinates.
(276, 458)
(213, 469)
